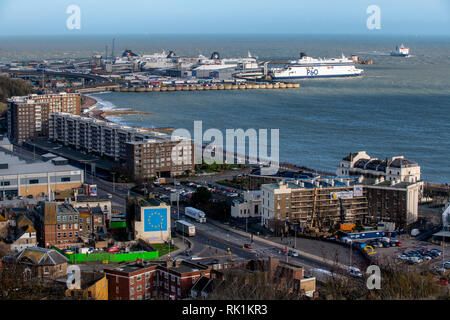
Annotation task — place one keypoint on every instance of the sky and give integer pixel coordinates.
(48, 17)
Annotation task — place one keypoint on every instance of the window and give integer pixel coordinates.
(179, 292)
(64, 218)
(147, 296)
(58, 218)
(75, 218)
(70, 218)
(139, 278)
(131, 291)
(59, 235)
(147, 275)
(65, 179)
(70, 234)
(59, 227)
(64, 235)
(147, 285)
(46, 270)
(33, 181)
(139, 288)
(131, 280)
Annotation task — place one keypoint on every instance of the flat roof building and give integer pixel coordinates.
(22, 177)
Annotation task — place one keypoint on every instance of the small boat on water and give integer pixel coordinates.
(401, 51)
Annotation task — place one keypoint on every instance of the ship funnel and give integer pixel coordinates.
(171, 54)
(302, 54)
(215, 56)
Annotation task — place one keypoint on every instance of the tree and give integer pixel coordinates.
(201, 196)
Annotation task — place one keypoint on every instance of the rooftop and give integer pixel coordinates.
(15, 164)
(40, 256)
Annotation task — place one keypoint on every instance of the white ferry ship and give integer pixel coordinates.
(216, 63)
(309, 68)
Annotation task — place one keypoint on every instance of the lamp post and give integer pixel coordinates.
(114, 185)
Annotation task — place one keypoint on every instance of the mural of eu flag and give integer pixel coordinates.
(155, 220)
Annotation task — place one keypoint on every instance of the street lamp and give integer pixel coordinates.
(114, 185)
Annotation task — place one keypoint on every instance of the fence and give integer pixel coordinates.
(111, 257)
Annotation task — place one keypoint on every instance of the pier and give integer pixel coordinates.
(201, 87)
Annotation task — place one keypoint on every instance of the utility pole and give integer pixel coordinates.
(114, 185)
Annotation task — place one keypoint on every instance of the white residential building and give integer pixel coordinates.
(249, 207)
(397, 169)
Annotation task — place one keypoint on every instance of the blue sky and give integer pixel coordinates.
(43, 17)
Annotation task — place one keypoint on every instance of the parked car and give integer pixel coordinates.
(438, 270)
(446, 265)
(354, 271)
(68, 251)
(30, 196)
(113, 249)
(442, 281)
(196, 258)
(415, 260)
(187, 252)
(437, 252)
(248, 246)
(385, 244)
(293, 253)
(427, 257)
(396, 243)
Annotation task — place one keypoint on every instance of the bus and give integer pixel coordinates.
(185, 228)
(197, 215)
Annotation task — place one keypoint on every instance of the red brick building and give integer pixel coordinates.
(58, 225)
(155, 280)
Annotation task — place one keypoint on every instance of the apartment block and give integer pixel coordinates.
(392, 201)
(316, 203)
(28, 115)
(146, 153)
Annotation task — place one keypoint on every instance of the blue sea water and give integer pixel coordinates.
(401, 106)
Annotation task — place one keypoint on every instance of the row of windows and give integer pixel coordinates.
(68, 218)
(64, 234)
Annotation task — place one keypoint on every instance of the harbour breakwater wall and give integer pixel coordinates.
(247, 86)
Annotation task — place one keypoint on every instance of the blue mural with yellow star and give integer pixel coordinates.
(155, 220)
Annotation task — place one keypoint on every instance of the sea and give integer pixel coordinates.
(401, 106)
